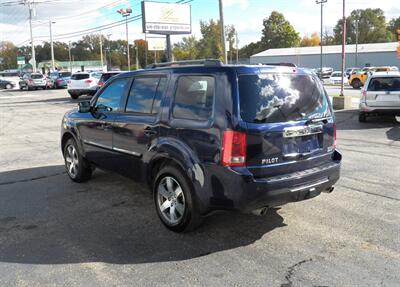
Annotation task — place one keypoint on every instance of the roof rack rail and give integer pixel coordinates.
(204, 62)
(281, 64)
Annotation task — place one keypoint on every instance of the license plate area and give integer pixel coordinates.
(302, 144)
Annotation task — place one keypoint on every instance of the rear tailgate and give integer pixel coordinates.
(289, 123)
(383, 92)
(79, 81)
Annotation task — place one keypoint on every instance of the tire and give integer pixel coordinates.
(73, 95)
(356, 84)
(362, 117)
(171, 189)
(8, 86)
(77, 167)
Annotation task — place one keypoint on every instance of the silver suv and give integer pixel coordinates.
(380, 95)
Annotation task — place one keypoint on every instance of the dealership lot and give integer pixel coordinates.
(106, 232)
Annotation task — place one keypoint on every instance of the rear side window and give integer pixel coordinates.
(194, 97)
(145, 94)
(384, 84)
(79, 76)
(272, 98)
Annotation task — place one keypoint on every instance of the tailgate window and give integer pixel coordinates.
(36, 77)
(382, 84)
(273, 97)
(79, 76)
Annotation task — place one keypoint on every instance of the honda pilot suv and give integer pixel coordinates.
(206, 136)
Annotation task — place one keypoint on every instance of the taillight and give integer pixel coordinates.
(363, 94)
(100, 84)
(334, 135)
(233, 151)
(88, 81)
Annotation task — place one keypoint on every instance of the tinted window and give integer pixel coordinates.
(144, 92)
(384, 84)
(110, 98)
(270, 98)
(65, 74)
(194, 97)
(79, 76)
(36, 76)
(105, 77)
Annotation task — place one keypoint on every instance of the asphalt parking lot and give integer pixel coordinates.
(106, 232)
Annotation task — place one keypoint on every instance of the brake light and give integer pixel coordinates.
(334, 135)
(100, 84)
(88, 81)
(233, 151)
(363, 94)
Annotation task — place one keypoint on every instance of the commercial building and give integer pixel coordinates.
(377, 54)
(73, 66)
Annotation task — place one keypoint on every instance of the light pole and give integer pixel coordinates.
(53, 64)
(222, 27)
(125, 12)
(101, 51)
(69, 55)
(321, 2)
(30, 6)
(109, 66)
(343, 48)
(356, 59)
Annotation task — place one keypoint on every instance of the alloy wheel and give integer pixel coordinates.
(72, 161)
(171, 200)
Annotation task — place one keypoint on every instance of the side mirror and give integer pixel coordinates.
(84, 107)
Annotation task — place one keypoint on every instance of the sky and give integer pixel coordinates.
(246, 15)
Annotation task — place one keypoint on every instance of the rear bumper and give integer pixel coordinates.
(241, 191)
(392, 110)
(83, 91)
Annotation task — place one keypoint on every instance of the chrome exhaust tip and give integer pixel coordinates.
(329, 189)
(260, 211)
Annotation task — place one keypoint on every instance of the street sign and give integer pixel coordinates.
(166, 18)
(156, 44)
(20, 60)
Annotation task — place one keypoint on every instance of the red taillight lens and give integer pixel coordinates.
(334, 135)
(100, 84)
(88, 81)
(233, 151)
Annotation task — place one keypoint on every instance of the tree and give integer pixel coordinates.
(371, 27)
(230, 33)
(313, 40)
(250, 49)
(187, 49)
(8, 55)
(210, 43)
(393, 26)
(278, 33)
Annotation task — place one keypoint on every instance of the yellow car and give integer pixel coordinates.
(357, 80)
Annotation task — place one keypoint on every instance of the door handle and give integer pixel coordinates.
(148, 131)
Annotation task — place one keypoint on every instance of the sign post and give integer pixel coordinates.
(166, 19)
(20, 61)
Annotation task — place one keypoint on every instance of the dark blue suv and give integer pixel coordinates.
(207, 136)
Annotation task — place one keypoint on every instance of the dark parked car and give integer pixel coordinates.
(4, 84)
(60, 79)
(106, 76)
(208, 137)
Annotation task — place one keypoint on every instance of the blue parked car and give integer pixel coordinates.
(207, 136)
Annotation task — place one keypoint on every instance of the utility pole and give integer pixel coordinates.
(169, 49)
(69, 54)
(356, 59)
(101, 51)
(321, 2)
(109, 66)
(53, 64)
(222, 27)
(30, 6)
(343, 48)
(237, 48)
(125, 13)
(137, 56)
